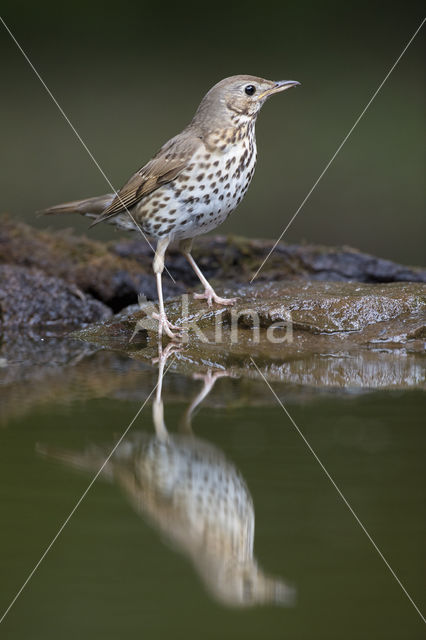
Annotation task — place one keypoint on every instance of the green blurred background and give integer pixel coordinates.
(130, 75)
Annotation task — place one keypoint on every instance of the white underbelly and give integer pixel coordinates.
(207, 207)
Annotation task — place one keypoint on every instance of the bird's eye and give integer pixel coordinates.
(250, 89)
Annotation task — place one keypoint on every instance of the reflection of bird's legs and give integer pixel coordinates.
(158, 266)
(163, 354)
(209, 293)
(209, 380)
(157, 405)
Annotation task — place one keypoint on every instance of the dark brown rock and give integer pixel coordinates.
(92, 266)
(29, 298)
(117, 272)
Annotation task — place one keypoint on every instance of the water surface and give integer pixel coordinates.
(125, 565)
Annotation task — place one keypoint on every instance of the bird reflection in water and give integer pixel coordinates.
(194, 496)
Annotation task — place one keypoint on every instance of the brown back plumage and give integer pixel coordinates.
(169, 162)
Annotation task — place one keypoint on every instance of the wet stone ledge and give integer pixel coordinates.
(341, 335)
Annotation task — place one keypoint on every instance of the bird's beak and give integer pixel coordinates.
(281, 85)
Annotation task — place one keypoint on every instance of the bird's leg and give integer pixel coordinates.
(209, 380)
(209, 293)
(157, 405)
(158, 266)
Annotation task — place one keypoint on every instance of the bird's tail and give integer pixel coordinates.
(91, 207)
(93, 458)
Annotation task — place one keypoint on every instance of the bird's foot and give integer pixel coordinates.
(165, 325)
(210, 295)
(171, 349)
(211, 376)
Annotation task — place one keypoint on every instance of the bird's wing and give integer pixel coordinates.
(169, 162)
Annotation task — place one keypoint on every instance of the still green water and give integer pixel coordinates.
(117, 572)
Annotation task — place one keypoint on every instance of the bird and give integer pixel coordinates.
(192, 495)
(194, 181)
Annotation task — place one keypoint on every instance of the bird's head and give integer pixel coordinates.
(244, 584)
(239, 98)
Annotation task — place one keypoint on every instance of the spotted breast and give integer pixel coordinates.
(207, 191)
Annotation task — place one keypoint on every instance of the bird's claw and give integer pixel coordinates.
(165, 324)
(211, 296)
(211, 376)
(170, 350)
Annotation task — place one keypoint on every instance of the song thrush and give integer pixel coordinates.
(193, 495)
(194, 182)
